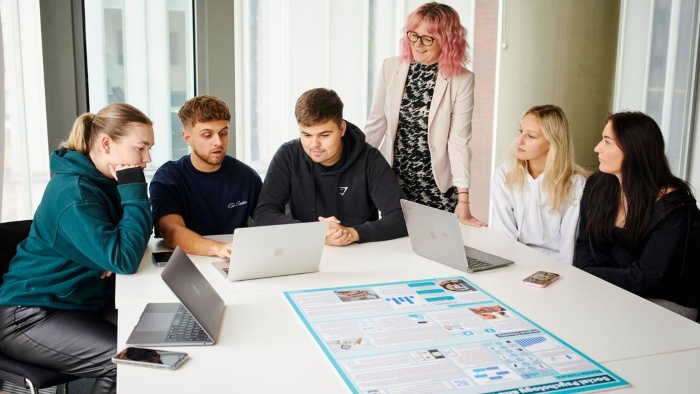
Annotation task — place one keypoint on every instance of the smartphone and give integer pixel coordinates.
(160, 259)
(150, 358)
(541, 279)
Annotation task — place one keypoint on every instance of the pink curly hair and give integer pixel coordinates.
(442, 23)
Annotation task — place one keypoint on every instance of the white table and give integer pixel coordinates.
(264, 346)
(675, 372)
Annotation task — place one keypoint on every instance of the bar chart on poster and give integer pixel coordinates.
(440, 334)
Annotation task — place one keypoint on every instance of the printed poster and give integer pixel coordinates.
(440, 335)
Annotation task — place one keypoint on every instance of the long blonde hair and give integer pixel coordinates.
(112, 120)
(560, 166)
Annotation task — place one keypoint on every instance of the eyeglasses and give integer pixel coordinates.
(425, 40)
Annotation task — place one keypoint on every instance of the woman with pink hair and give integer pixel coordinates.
(422, 111)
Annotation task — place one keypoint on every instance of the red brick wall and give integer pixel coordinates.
(484, 52)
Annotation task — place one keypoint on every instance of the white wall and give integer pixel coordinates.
(562, 53)
(633, 58)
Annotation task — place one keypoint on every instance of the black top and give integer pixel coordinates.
(662, 265)
(411, 150)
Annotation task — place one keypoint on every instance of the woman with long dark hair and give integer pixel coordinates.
(636, 218)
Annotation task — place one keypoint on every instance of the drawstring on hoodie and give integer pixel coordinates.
(528, 180)
(313, 181)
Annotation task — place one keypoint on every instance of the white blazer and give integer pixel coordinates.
(449, 121)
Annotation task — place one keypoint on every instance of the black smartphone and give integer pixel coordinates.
(150, 358)
(160, 259)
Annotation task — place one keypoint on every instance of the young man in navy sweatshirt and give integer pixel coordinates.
(205, 192)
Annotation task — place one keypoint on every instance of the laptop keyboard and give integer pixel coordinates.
(475, 264)
(186, 329)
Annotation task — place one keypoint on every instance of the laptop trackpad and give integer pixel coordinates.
(154, 322)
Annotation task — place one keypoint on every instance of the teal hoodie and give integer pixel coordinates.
(84, 225)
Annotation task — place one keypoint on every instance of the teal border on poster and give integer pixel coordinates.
(431, 282)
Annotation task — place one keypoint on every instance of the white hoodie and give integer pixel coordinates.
(522, 213)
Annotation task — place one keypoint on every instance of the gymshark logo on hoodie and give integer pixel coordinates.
(342, 190)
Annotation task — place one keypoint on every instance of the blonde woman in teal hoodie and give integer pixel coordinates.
(94, 220)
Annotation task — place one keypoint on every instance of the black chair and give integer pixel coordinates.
(24, 375)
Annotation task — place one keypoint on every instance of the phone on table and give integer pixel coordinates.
(150, 358)
(160, 259)
(541, 279)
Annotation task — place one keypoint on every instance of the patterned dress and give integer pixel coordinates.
(411, 150)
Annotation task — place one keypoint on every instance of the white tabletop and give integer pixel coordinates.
(263, 347)
(662, 373)
(262, 336)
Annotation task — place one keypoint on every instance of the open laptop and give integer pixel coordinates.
(436, 234)
(283, 249)
(165, 324)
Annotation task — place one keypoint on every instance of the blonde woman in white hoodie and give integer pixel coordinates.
(535, 194)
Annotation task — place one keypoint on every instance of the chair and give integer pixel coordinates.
(24, 375)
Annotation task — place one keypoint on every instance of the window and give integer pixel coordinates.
(660, 71)
(285, 48)
(24, 132)
(291, 47)
(142, 53)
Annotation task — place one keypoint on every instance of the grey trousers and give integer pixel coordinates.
(78, 343)
(690, 313)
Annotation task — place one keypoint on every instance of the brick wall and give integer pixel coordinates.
(484, 52)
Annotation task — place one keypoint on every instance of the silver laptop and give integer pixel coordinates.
(196, 321)
(437, 235)
(267, 251)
